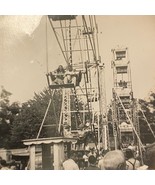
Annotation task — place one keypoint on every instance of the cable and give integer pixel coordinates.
(91, 25)
(147, 122)
(58, 41)
(130, 121)
(98, 49)
(64, 40)
(70, 44)
(79, 43)
(89, 37)
(87, 97)
(61, 113)
(55, 115)
(45, 115)
(44, 118)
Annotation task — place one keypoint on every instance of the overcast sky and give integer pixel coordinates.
(23, 52)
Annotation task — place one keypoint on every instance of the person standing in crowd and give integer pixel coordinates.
(85, 158)
(12, 165)
(4, 165)
(92, 163)
(92, 152)
(149, 158)
(131, 162)
(114, 160)
(102, 154)
(70, 164)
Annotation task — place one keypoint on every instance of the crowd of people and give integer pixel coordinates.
(111, 160)
(4, 165)
(93, 159)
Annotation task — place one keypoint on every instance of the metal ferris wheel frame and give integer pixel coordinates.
(77, 37)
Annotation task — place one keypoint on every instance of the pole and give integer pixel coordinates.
(130, 122)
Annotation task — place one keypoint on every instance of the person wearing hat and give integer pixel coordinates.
(92, 163)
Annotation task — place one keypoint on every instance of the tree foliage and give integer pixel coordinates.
(148, 108)
(25, 121)
(8, 113)
(18, 123)
(28, 121)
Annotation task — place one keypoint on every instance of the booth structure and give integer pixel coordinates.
(48, 153)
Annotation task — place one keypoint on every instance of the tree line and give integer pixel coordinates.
(22, 121)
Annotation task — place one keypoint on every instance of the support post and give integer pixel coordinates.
(32, 157)
(58, 155)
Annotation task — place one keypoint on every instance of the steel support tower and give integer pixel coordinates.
(124, 107)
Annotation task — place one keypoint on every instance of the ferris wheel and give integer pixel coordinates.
(81, 81)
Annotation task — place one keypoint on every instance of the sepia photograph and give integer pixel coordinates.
(77, 92)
